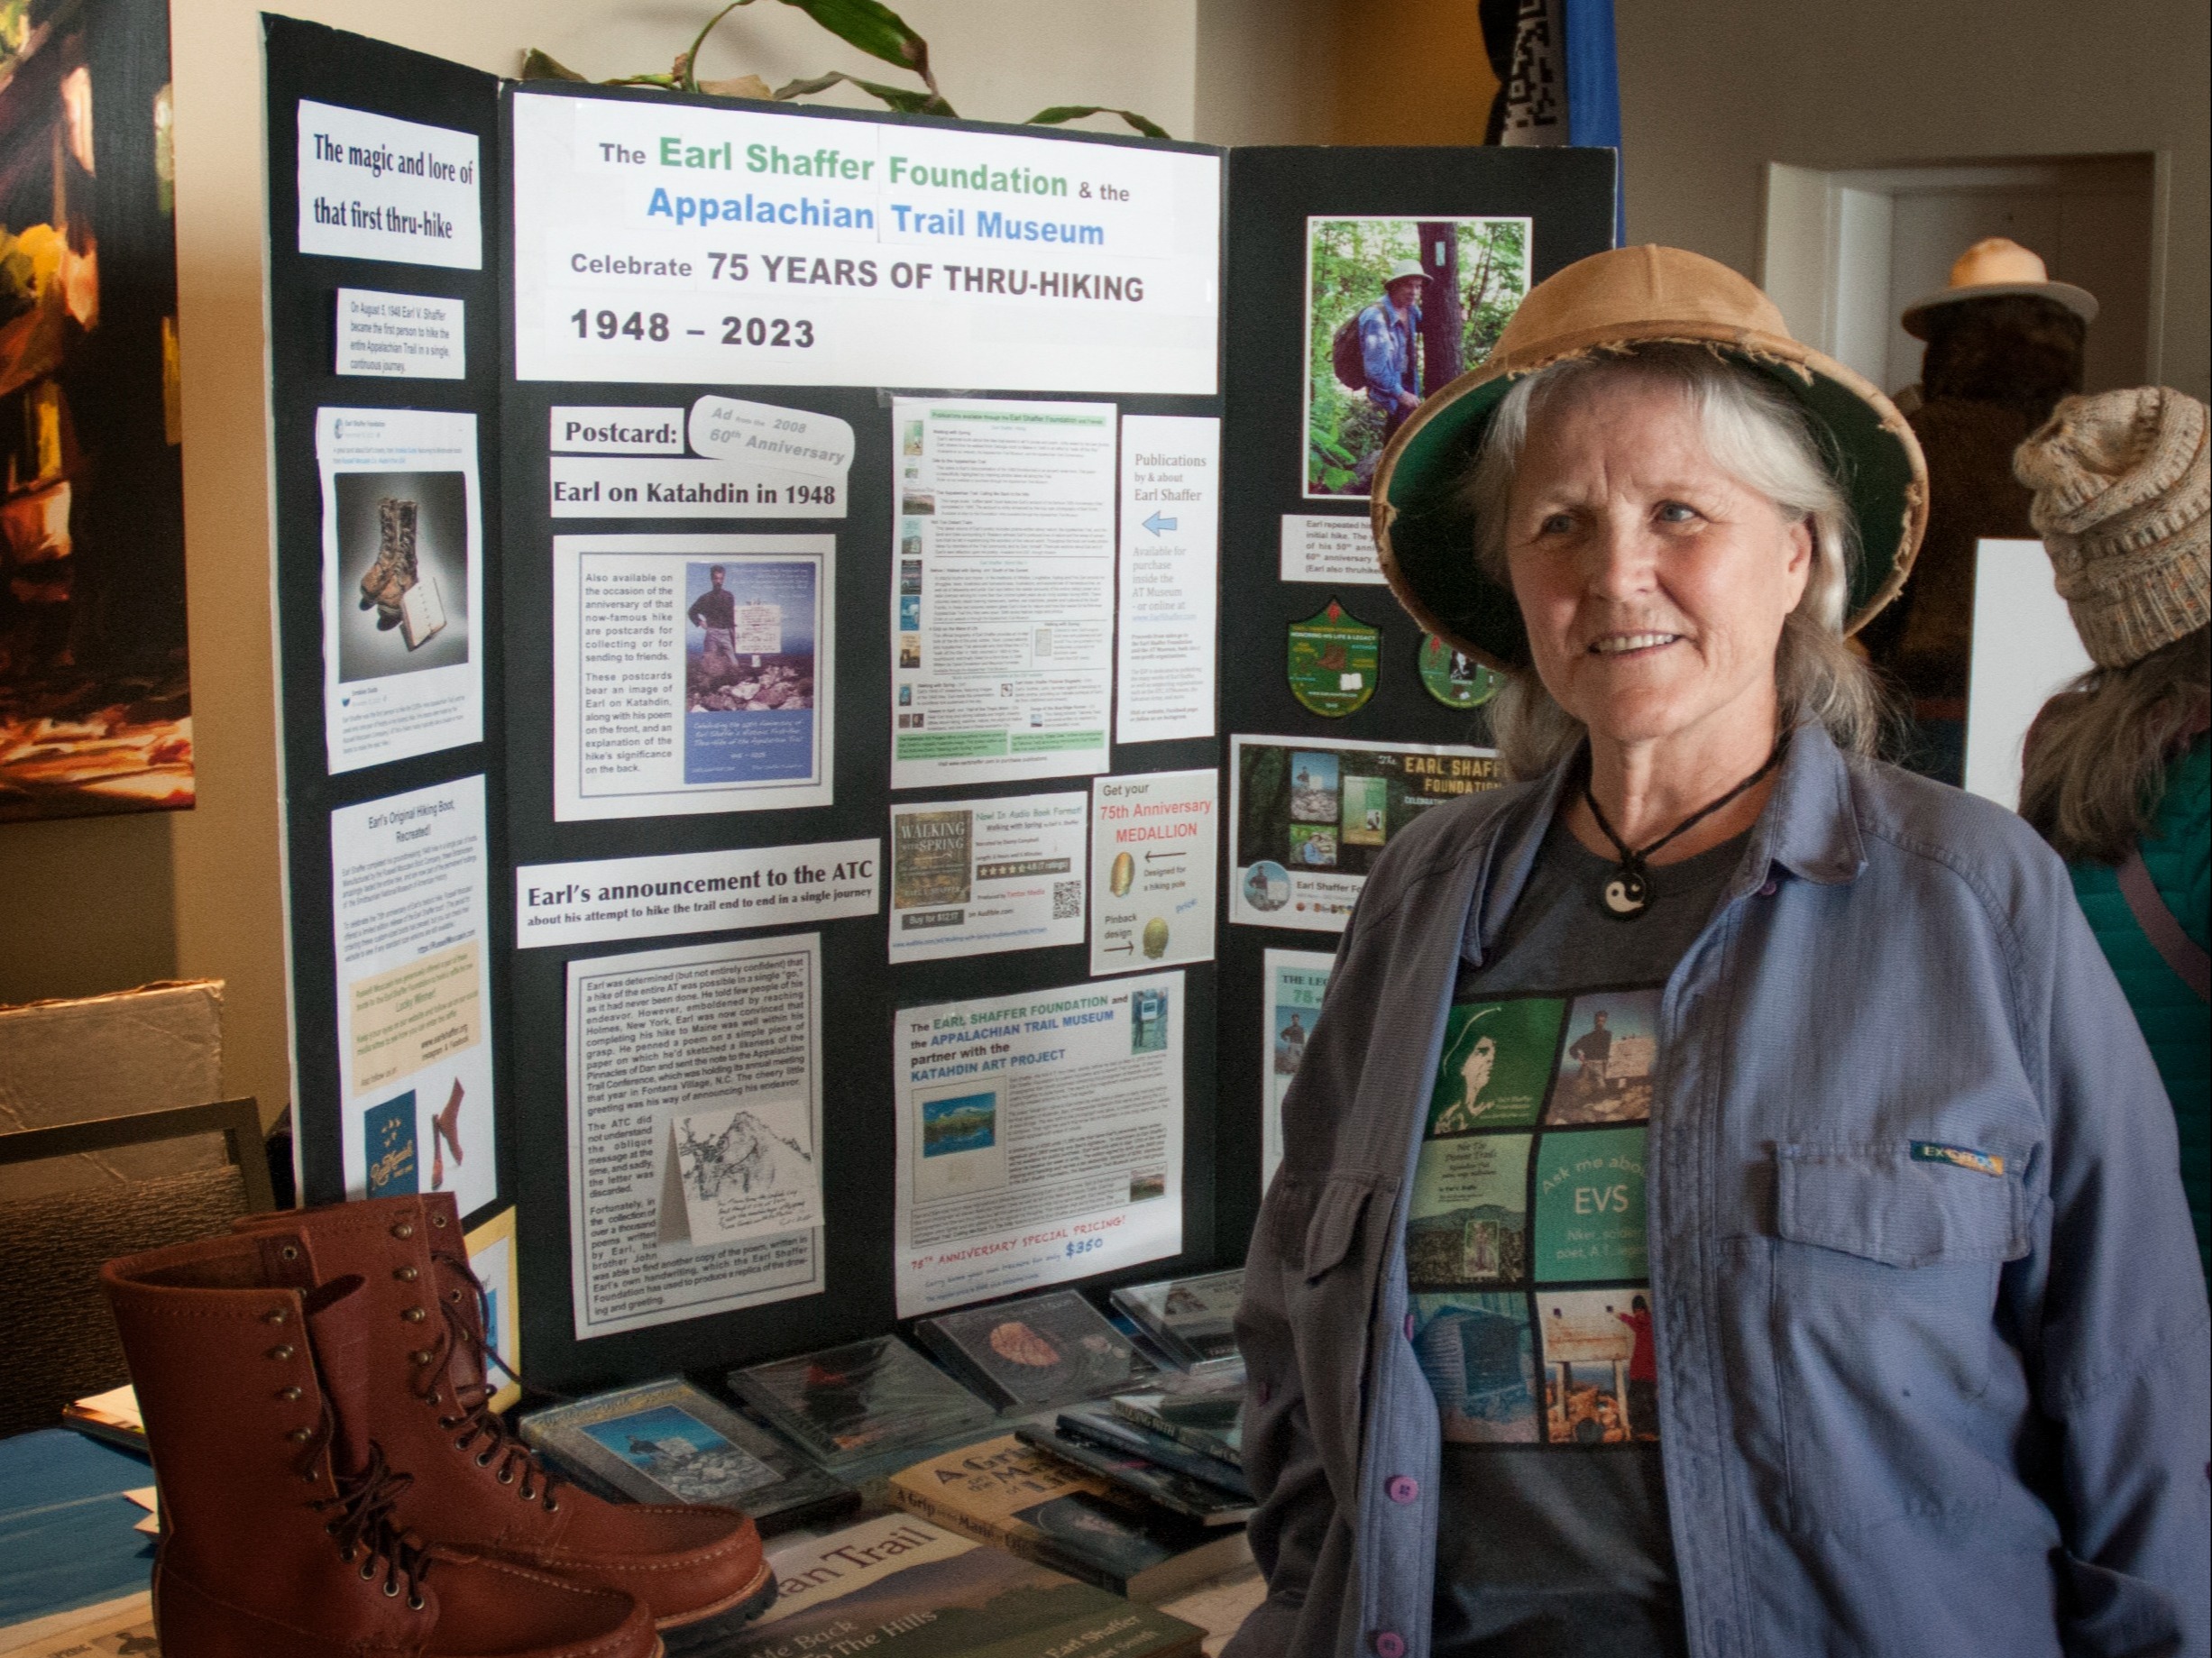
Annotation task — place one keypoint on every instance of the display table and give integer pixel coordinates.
(68, 1536)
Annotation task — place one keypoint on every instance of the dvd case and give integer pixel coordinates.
(846, 1405)
(1192, 1320)
(667, 1442)
(1045, 1350)
(1208, 1504)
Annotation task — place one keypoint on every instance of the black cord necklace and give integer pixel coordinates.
(1631, 891)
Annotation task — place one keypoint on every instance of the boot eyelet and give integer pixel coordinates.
(449, 1424)
(484, 1461)
(432, 1398)
(438, 1220)
(404, 1229)
(406, 1275)
(507, 1476)
(288, 1394)
(552, 1507)
(279, 1353)
(290, 1251)
(275, 1315)
(414, 1315)
(421, 1356)
(414, 1603)
(368, 1568)
(461, 1444)
(299, 1437)
(525, 1493)
(391, 1589)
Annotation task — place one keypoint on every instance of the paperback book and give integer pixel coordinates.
(1044, 1350)
(845, 1405)
(1211, 1423)
(112, 1415)
(1210, 1505)
(1033, 1505)
(898, 1587)
(1193, 1320)
(1101, 1424)
(667, 1442)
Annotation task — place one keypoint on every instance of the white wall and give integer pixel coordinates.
(98, 905)
(1713, 90)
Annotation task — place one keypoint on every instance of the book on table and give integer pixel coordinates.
(1005, 1492)
(112, 1415)
(1139, 1475)
(1191, 1319)
(898, 1587)
(1209, 1422)
(1101, 1424)
(666, 1442)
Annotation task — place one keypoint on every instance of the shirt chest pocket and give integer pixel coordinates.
(1882, 1314)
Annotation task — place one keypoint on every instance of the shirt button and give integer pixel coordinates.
(1408, 1326)
(1770, 888)
(1389, 1643)
(1403, 1489)
(1267, 1391)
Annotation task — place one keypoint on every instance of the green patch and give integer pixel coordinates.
(1497, 1059)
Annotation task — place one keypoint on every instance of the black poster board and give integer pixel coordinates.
(1259, 397)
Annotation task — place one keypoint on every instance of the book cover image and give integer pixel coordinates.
(847, 1403)
(1041, 1350)
(898, 1587)
(667, 1442)
(932, 859)
(388, 1135)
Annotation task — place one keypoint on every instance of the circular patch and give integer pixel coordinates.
(1454, 678)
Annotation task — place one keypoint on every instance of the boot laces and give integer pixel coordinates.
(363, 1524)
(473, 1417)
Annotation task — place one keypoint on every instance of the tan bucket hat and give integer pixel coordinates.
(1424, 529)
(1992, 267)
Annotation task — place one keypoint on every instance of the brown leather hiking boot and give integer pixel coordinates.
(476, 1487)
(277, 1535)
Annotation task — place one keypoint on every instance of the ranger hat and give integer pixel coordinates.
(1990, 269)
(1425, 529)
(1403, 269)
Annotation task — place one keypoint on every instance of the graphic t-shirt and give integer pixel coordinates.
(1527, 1260)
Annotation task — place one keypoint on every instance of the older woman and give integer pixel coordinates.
(1836, 1299)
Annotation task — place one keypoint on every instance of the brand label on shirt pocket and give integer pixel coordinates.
(1958, 1156)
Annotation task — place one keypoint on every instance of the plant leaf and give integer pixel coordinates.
(686, 79)
(1059, 113)
(544, 65)
(907, 100)
(876, 30)
(739, 86)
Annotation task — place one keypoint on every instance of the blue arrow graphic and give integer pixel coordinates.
(1158, 524)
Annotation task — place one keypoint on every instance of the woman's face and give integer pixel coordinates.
(1652, 584)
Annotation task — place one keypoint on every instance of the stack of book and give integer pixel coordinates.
(1028, 1501)
(112, 1415)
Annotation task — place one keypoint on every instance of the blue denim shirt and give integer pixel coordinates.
(1386, 351)
(1934, 1371)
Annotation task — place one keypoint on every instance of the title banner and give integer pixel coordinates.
(671, 244)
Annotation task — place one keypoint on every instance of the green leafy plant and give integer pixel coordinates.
(872, 27)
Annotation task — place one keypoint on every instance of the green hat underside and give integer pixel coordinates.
(1432, 537)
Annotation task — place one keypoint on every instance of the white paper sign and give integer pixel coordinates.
(1155, 845)
(401, 336)
(588, 900)
(409, 931)
(1171, 543)
(402, 583)
(976, 877)
(374, 186)
(1040, 1139)
(692, 673)
(723, 1038)
(670, 243)
(1330, 549)
(1002, 594)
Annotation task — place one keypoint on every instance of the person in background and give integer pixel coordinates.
(716, 611)
(1387, 329)
(2119, 772)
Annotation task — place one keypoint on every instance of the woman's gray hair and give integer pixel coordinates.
(1763, 439)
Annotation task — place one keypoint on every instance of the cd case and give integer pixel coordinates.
(845, 1405)
(1191, 1320)
(1045, 1350)
(667, 1442)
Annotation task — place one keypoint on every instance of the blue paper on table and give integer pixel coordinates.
(68, 1535)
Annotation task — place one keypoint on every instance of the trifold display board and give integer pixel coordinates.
(835, 690)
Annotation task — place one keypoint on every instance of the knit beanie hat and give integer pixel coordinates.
(2123, 483)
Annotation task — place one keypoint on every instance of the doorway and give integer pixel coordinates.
(1846, 250)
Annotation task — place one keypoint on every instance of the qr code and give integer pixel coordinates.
(1067, 901)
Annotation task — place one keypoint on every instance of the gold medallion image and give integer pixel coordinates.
(1155, 939)
(1123, 875)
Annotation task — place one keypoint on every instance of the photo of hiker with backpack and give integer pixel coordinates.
(1396, 308)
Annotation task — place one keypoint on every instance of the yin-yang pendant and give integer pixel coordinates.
(1628, 892)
